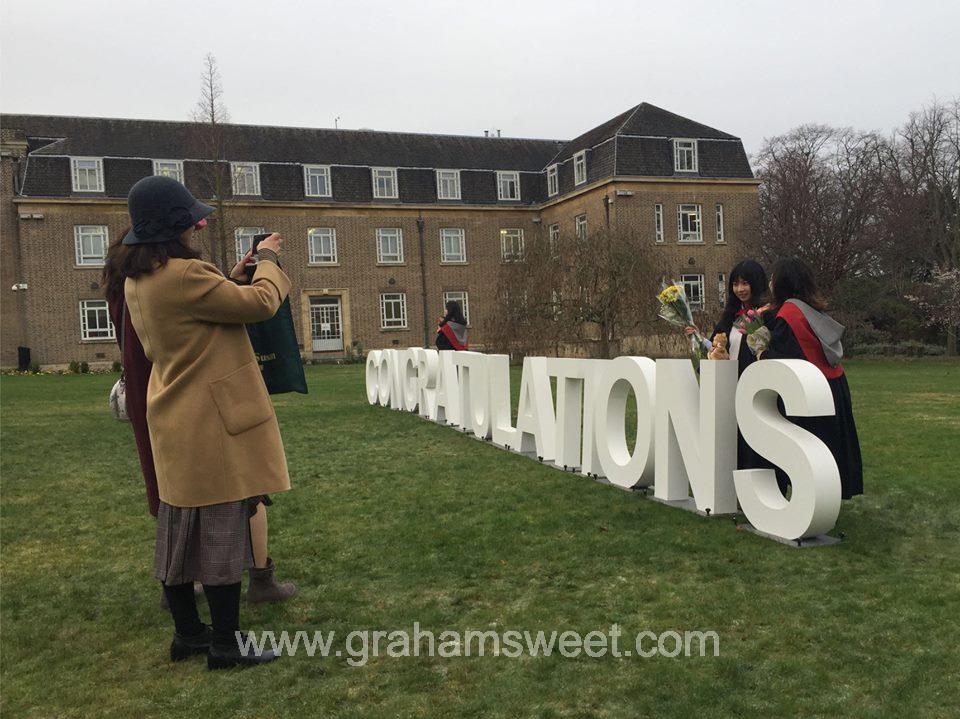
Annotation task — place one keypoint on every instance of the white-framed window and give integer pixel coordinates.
(87, 173)
(508, 185)
(580, 167)
(322, 246)
(693, 286)
(246, 178)
(688, 223)
(722, 286)
(91, 243)
(553, 233)
(462, 297)
(243, 239)
(316, 181)
(448, 184)
(658, 221)
(685, 155)
(389, 245)
(719, 210)
(553, 181)
(393, 310)
(169, 168)
(95, 321)
(511, 245)
(453, 245)
(580, 226)
(384, 183)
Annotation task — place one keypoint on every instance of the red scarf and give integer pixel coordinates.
(452, 336)
(808, 341)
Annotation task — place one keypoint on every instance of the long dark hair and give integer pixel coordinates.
(125, 261)
(454, 313)
(793, 280)
(751, 272)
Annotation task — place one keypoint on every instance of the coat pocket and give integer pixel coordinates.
(242, 399)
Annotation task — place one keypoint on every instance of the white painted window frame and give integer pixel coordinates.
(694, 279)
(682, 235)
(721, 239)
(315, 238)
(236, 168)
(580, 168)
(504, 176)
(400, 298)
(454, 177)
(515, 237)
(580, 226)
(658, 223)
(85, 330)
(461, 235)
(553, 180)
(553, 237)
(177, 169)
(387, 172)
(310, 171)
(722, 286)
(461, 296)
(75, 173)
(83, 260)
(384, 233)
(246, 235)
(677, 149)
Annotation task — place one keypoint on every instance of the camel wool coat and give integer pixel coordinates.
(212, 426)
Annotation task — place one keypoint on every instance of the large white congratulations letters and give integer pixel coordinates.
(446, 405)
(696, 434)
(616, 379)
(814, 502)
(474, 393)
(535, 418)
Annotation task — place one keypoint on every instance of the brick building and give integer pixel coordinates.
(380, 227)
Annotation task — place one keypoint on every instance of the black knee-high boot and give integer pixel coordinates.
(225, 650)
(190, 636)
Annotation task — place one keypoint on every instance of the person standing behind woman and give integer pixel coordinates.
(799, 329)
(215, 440)
(452, 330)
(136, 371)
(746, 290)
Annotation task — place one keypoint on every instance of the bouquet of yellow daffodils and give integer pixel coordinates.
(675, 309)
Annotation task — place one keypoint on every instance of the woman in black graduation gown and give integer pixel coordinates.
(452, 330)
(800, 330)
(746, 290)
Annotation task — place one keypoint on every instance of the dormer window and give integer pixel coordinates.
(169, 168)
(384, 183)
(580, 167)
(685, 155)
(316, 181)
(448, 184)
(246, 178)
(553, 184)
(87, 174)
(508, 185)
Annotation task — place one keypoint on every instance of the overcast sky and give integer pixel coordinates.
(533, 69)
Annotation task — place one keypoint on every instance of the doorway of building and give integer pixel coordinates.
(326, 325)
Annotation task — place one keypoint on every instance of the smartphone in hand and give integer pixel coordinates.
(252, 266)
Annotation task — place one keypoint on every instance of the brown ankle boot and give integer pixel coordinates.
(264, 588)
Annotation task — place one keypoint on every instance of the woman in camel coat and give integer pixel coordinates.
(215, 439)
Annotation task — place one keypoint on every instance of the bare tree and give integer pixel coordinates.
(590, 292)
(210, 115)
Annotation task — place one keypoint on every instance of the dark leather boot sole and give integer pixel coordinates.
(228, 660)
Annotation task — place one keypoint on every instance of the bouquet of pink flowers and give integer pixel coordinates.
(750, 323)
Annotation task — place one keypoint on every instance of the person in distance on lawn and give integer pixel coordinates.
(799, 329)
(452, 330)
(215, 440)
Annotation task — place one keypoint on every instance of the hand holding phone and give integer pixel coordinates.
(251, 267)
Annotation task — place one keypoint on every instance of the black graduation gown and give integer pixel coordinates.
(442, 342)
(746, 457)
(838, 432)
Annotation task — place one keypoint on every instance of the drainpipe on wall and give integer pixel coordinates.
(423, 280)
(606, 208)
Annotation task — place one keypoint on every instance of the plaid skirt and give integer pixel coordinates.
(210, 545)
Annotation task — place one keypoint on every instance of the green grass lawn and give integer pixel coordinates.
(394, 520)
